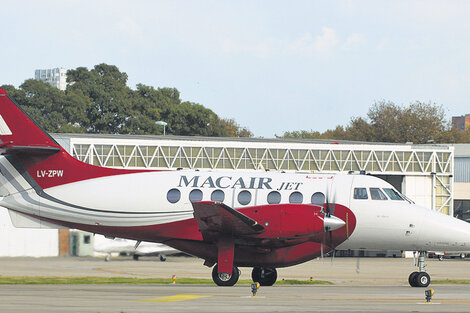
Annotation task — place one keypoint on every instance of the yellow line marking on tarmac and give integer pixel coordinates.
(174, 298)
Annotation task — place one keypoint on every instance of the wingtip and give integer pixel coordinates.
(2, 92)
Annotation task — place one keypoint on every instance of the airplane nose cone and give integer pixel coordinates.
(441, 232)
(332, 222)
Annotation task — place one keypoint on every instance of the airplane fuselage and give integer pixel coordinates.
(156, 206)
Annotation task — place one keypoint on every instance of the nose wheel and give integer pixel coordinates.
(420, 278)
(265, 276)
(417, 279)
(225, 279)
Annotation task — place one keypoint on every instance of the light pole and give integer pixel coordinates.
(162, 123)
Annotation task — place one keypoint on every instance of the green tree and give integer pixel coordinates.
(111, 99)
(99, 101)
(418, 122)
(233, 129)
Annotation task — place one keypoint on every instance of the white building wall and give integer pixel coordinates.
(462, 191)
(57, 77)
(25, 241)
(418, 189)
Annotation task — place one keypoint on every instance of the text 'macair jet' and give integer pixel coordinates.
(231, 219)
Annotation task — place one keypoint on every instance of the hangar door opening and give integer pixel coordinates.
(394, 180)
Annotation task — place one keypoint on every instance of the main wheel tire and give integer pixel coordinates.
(225, 279)
(422, 279)
(412, 279)
(265, 276)
(440, 257)
(162, 258)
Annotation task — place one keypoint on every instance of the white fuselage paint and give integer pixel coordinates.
(141, 199)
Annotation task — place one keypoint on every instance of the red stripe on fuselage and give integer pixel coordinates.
(185, 236)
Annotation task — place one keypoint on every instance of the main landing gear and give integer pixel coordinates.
(265, 276)
(420, 278)
(225, 279)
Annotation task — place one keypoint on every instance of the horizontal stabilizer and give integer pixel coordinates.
(32, 150)
(20, 220)
(217, 218)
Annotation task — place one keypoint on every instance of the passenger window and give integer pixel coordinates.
(173, 195)
(274, 197)
(318, 198)
(393, 194)
(218, 195)
(195, 195)
(244, 197)
(360, 193)
(377, 194)
(296, 197)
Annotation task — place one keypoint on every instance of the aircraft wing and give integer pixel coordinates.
(216, 218)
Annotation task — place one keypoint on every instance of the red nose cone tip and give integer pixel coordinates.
(2, 92)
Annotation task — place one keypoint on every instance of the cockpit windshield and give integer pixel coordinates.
(393, 194)
(377, 194)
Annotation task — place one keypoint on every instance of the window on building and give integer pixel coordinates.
(318, 198)
(377, 194)
(195, 195)
(296, 197)
(86, 239)
(274, 197)
(218, 195)
(360, 193)
(173, 195)
(393, 194)
(462, 209)
(244, 197)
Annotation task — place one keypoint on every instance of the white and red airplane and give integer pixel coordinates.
(108, 246)
(263, 220)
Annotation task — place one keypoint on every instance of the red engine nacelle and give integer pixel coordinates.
(287, 220)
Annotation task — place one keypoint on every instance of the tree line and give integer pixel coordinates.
(99, 101)
(386, 121)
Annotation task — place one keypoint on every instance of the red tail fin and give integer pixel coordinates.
(33, 149)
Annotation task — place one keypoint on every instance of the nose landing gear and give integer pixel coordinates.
(420, 278)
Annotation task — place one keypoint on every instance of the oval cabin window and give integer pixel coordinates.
(296, 197)
(218, 195)
(195, 195)
(244, 197)
(173, 195)
(274, 197)
(318, 198)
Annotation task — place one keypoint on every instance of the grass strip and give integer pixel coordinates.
(451, 282)
(56, 280)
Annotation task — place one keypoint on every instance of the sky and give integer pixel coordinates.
(273, 66)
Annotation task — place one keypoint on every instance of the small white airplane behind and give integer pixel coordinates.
(262, 220)
(108, 246)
